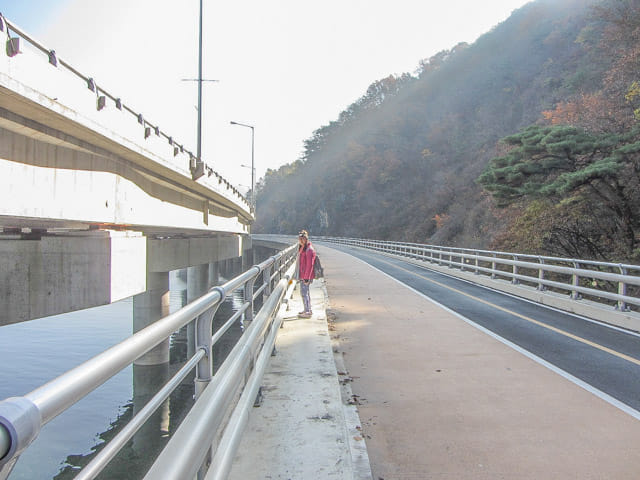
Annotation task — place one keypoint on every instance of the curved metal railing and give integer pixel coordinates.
(21, 418)
(597, 280)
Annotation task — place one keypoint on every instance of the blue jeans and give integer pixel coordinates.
(304, 293)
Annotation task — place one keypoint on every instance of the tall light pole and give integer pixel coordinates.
(253, 168)
(198, 171)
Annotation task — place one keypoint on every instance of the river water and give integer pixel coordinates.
(34, 352)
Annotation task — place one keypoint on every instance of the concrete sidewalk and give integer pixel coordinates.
(303, 428)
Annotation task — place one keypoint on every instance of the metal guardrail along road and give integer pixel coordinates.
(597, 280)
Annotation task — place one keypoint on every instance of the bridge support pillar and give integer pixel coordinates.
(147, 380)
(149, 307)
(247, 260)
(197, 285)
(214, 274)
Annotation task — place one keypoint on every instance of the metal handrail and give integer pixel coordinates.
(520, 255)
(21, 418)
(111, 449)
(454, 257)
(190, 445)
(446, 249)
(56, 61)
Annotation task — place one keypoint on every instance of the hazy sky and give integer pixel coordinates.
(285, 66)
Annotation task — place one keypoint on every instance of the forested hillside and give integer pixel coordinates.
(525, 140)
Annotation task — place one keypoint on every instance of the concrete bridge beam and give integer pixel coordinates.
(166, 254)
(56, 274)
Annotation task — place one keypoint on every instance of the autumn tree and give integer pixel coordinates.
(569, 165)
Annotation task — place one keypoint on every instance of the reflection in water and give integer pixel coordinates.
(139, 453)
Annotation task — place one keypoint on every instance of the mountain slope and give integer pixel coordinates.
(402, 161)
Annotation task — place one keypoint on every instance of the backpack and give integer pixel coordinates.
(318, 271)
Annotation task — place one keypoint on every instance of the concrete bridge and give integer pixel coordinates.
(97, 203)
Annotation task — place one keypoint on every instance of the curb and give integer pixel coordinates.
(353, 425)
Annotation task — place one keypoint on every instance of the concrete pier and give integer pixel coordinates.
(214, 274)
(197, 283)
(147, 380)
(149, 307)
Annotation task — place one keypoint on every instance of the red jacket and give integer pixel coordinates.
(305, 261)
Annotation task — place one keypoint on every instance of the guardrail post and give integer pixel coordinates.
(541, 286)
(204, 322)
(278, 267)
(477, 272)
(247, 316)
(204, 368)
(493, 267)
(266, 279)
(575, 281)
(514, 280)
(622, 290)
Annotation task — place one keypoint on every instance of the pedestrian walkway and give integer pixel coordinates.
(303, 429)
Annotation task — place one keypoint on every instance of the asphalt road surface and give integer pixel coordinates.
(605, 358)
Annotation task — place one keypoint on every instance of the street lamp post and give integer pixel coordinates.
(198, 171)
(253, 169)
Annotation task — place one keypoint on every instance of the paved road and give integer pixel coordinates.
(606, 358)
(442, 398)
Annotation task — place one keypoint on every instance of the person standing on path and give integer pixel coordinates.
(306, 258)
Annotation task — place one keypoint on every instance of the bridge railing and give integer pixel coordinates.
(191, 448)
(103, 103)
(605, 282)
